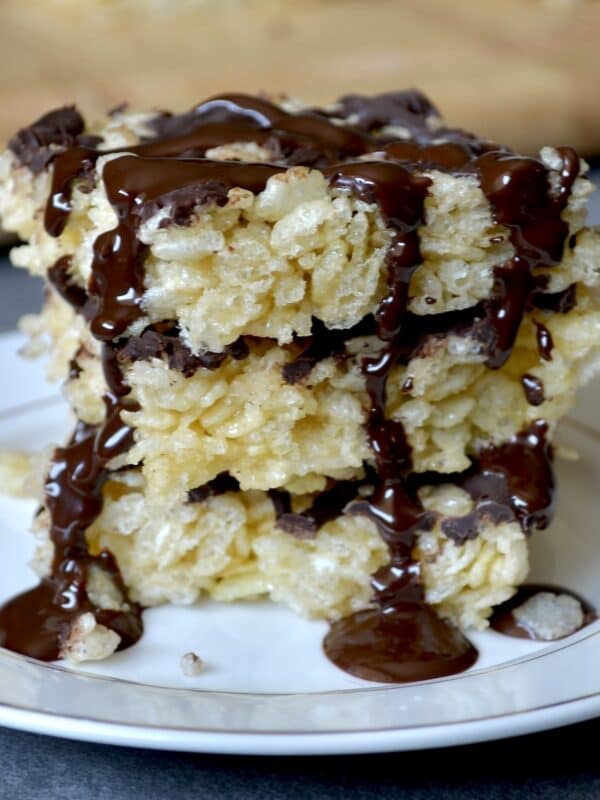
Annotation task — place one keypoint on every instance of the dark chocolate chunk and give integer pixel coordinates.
(59, 276)
(559, 302)
(409, 109)
(74, 369)
(461, 529)
(327, 505)
(164, 339)
(323, 343)
(38, 144)
(224, 482)
(282, 502)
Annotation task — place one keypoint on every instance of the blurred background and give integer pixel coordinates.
(519, 71)
(522, 72)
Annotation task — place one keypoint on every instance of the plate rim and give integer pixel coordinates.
(283, 743)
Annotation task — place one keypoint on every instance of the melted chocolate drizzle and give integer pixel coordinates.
(136, 188)
(515, 479)
(402, 643)
(38, 622)
(401, 638)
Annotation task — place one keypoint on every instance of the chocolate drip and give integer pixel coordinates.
(503, 621)
(38, 622)
(306, 138)
(449, 156)
(394, 511)
(75, 164)
(518, 191)
(517, 476)
(401, 639)
(533, 388)
(509, 482)
(164, 339)
(557, 302)
(504, 312)
(224, 482)
(545, 343)
(401, 198)
(236, 110)
(136, 188)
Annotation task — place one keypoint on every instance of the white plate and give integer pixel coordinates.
(267, 687)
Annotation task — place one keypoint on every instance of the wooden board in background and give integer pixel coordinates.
(520, 71)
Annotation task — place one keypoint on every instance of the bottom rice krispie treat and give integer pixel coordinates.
(314, 354)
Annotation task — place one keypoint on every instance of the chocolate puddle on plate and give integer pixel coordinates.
(503, 620)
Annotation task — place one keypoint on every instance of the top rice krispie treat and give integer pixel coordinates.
(304, 346)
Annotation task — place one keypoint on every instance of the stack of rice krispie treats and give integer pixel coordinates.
(314, 354)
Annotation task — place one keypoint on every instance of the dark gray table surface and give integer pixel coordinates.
(557, 765)
(562, 764)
